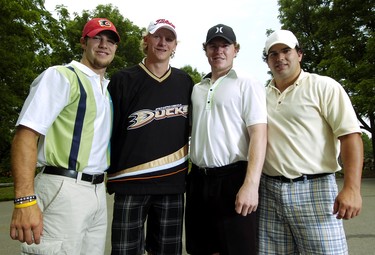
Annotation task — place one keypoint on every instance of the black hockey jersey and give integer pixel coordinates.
(149, 145)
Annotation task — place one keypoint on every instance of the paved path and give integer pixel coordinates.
(360, 231)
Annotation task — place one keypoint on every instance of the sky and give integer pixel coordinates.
(249, 19)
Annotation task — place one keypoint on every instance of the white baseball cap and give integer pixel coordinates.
(281, 36)
(161, 23)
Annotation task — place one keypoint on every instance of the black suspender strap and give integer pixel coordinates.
(78, 126)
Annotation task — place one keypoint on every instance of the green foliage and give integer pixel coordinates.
(27, 32)
(368, 162)
(6, 193)
(338, 39)
(195, 75)
(367, 146)
(33, 40)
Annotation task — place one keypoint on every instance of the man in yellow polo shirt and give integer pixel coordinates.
(311, 122)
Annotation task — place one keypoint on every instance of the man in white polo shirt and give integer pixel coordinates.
(228, 143)
(64, 127)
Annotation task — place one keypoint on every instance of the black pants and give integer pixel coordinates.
(211, 222)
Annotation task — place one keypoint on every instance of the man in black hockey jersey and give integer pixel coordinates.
(150, 148)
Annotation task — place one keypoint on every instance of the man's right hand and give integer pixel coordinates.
(27, 224)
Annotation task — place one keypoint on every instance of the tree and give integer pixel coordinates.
(194, 74)
(28, 33)
(368, 163)
(338, 39)
(33, 40)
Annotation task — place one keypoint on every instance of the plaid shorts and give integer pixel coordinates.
(164, 214)
(297, 218)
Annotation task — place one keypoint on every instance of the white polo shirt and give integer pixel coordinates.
(304, 123)
(221, 114)
(50, 110)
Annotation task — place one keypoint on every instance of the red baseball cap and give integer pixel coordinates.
(97, 25)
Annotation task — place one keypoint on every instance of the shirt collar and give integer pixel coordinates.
(302, 75)
(207, 77)
(83, 68)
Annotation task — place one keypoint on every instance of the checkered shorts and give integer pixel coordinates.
(164, 214)
(297, 218)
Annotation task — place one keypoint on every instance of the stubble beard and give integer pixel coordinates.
(100, 64)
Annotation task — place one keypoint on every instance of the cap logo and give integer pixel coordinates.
(219, 30)
(104, 23)
(164, 21)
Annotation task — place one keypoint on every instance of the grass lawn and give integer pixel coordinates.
(368, 174)
(6, 193)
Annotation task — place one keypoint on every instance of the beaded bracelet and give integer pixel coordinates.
(23, 205)
(20, 200)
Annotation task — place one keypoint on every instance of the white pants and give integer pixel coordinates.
(74, 216)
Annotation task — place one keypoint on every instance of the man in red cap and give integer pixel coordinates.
(64, 128)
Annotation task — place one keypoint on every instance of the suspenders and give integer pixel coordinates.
(78, 126)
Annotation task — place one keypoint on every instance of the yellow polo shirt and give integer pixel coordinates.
(304, 123)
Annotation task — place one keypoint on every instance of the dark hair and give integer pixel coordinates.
(265, 55)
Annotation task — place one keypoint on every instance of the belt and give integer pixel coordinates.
(93, 179)
(222, 169)
(298, 179)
